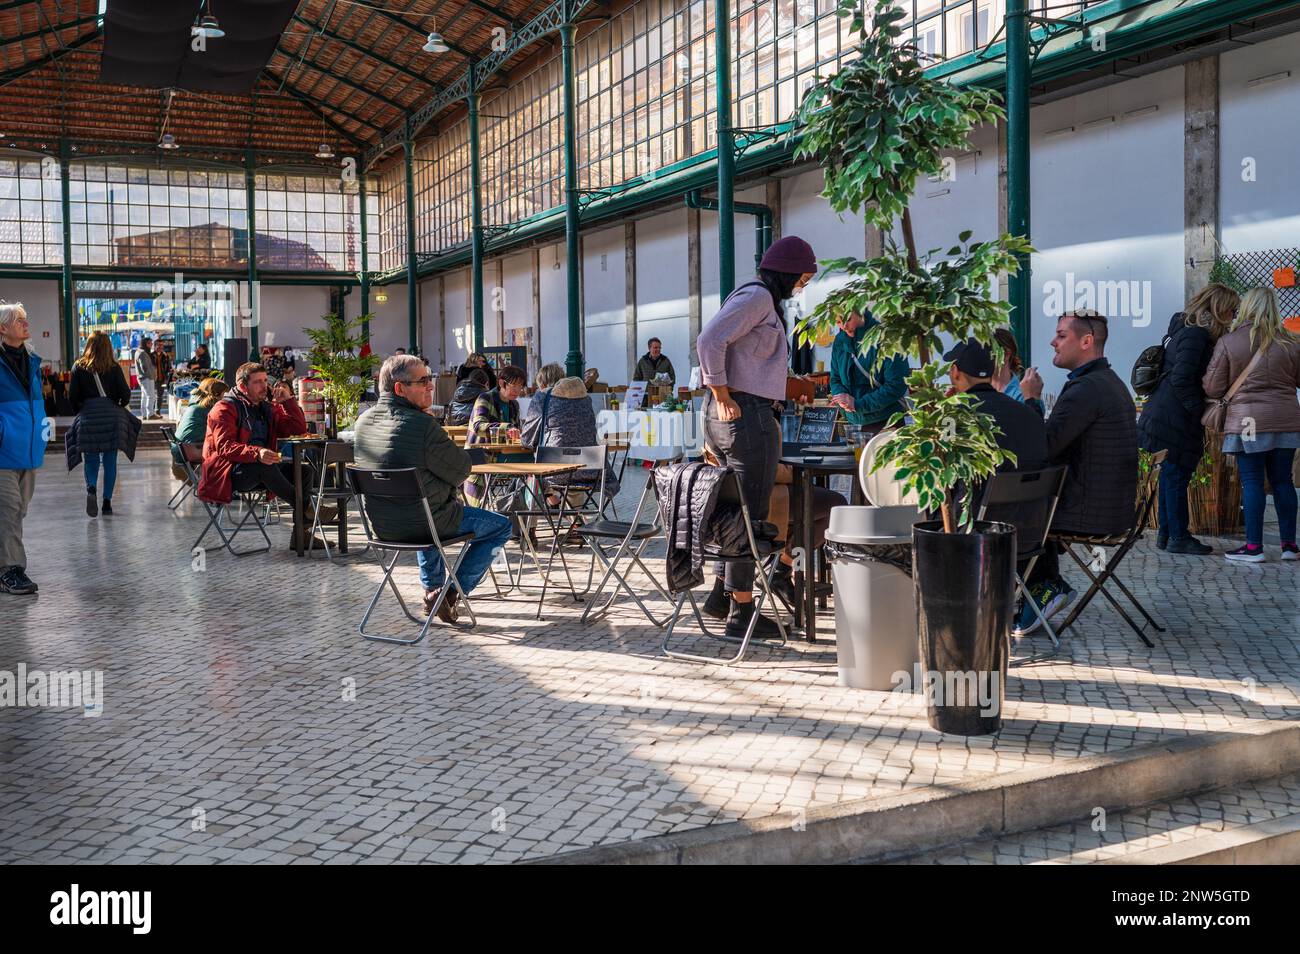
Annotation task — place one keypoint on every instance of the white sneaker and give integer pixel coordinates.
(1290, 552)
(1242, 555)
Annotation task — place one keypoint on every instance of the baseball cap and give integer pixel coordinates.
(972, 358)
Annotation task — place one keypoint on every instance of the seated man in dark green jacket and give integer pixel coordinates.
(398, 432)
(865, 398)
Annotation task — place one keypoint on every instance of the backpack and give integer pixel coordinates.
(1149, 368)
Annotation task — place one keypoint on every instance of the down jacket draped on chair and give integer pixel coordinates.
(697, 524)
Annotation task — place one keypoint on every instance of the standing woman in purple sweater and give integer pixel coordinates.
(744, 358)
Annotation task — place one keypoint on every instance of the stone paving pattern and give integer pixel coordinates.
(1118, 834)
(225, 692)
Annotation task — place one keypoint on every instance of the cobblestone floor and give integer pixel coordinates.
(1123, 833)
(229, 731)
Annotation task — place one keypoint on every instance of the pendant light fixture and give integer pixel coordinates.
(208, 26)
(435, 43)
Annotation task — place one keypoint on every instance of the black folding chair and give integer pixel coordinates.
(402, 486)
(1123, 542)
(629, 539)
(762, 553)
(192, 461)
(1027, 500)
(178, 458)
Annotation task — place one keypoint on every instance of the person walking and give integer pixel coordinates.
(99, 393)
(744, 358)
(22, 443)
(1171, 416)
(1255, 368)
(146, 373)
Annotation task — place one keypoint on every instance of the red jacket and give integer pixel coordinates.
(228, 438)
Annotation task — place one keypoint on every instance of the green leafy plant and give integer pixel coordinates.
(1225, 273)
(875, 127)
(335, 358)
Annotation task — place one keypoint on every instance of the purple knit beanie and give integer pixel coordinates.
(790, 254)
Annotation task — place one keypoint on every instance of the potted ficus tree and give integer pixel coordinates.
(875, 127)
(335, 358)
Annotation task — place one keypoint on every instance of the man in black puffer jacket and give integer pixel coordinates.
(1092, 430)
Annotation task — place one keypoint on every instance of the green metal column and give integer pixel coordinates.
(573, 360)
(1017, 105)
(726, 149)
(365, 261)
(412, 305)
(250, 200)
(72, 325)
(476, 216)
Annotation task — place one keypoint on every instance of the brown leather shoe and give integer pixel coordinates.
(448, 612)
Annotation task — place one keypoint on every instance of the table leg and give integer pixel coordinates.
(800, 577)
(298, 543)
(340, 478)
(806, 541)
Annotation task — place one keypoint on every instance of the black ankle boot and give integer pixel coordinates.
(718, 605)
(738, 622)
(783, 584)
(92, 506)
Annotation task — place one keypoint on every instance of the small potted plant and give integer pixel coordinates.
(875, 127)
(335, 358)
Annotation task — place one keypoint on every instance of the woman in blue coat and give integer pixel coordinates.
(1171, 417)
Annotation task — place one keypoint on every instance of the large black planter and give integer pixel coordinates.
(965, 597)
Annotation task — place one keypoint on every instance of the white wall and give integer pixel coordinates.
(458, 329)
(663, 288)
(40, 298)
(554, 340)
(287, 309)
(388, 329)
(806, 214)
(432, 342)
(517, 300)
(745, 266)
(1258, 123)
(1107, 206)
(604, 293)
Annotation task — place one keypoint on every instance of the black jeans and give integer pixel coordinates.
(277, 478)
(751, 446)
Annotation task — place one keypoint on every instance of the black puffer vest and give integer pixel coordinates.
(695, 522)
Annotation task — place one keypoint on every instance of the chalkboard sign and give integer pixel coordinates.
(818, 425)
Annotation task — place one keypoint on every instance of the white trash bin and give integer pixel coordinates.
(875, 603)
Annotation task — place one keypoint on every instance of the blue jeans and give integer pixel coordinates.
(491, 531)
(110, 471)
(1276, 466)
(1173, 500)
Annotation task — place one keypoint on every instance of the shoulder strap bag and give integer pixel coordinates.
(1216, 410)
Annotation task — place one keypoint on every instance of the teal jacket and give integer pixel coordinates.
(875, 398)
(22, 414)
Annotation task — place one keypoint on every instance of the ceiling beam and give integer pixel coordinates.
(421, 31)
(311, 65)
(369, 54)
(33, 65)
(318, 108)
(38, 34)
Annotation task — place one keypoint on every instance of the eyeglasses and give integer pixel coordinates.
(420, 381)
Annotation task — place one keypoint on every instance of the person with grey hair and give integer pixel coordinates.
(398, 432)
(22, 443)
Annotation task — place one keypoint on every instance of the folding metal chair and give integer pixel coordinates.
(762, 553)
(332, 455)
(626, 533)
(1123, 542)
(1026, 499)
(178, 457)
(191, 459)
(403, 486)
(588, 508)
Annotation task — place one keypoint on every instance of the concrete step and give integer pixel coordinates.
(1256, 822)
(986, 807)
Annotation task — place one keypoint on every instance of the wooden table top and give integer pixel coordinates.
(523, 469)
(500, 448)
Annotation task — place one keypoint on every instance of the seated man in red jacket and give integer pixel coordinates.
(239, 449)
